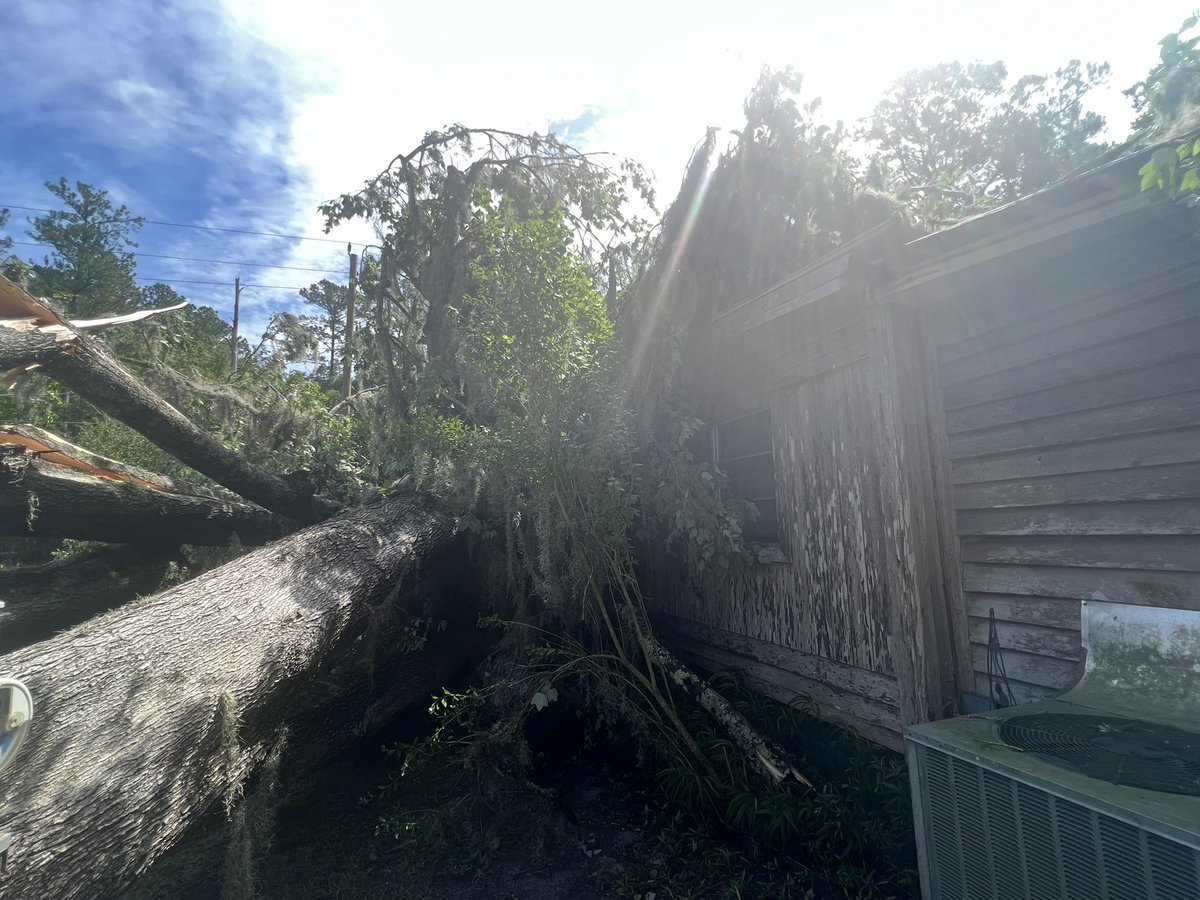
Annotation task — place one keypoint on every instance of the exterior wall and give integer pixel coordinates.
(1012, 424)
(1071, 395)
(817, 626)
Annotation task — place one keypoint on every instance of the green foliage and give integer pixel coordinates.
(781, 196)
(953, 139)
(90, 271)
(535, 441)
(1170, 90)
(120, 442)
(328, 324)
(194, 339)
(1174, 170)
(849, 837)
(73, 549)
(1164, 101)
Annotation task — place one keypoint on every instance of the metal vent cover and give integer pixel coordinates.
(1113, 749)
(991, 837)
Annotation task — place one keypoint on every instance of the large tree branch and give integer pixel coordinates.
(87, 368)
(50, 488)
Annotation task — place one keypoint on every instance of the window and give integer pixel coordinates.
(742, 448)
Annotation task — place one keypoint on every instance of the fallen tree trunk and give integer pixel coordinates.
(31, 332)
(221, 853)
(147, 717)
(50, 488)
(43, 599)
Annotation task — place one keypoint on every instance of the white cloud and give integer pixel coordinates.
(292, 102)
(659, 72)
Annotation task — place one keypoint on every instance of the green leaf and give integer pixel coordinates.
(1191, 181)
(1183, 151)
(540, 701)
(1149, 173)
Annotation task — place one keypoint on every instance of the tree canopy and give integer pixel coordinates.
(90, 269)
(954, 139)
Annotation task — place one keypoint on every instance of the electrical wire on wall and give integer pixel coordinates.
(1000, 689)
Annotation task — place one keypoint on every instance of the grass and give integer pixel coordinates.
(566, 807)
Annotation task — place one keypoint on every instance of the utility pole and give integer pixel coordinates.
(349, 336)
(237, 308)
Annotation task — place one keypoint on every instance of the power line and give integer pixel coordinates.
(274, 234)
(231, 262)
(273, 287)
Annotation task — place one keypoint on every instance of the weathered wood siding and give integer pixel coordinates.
(817, 626)
(1071, 394)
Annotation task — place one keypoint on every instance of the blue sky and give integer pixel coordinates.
(177, 113)
(233, 114)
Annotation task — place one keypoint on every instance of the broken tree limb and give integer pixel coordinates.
(51, 488)
(152, 715)
(109, 321)
(767, 757)
(86, 367)
(40, 600)
(93, 374)
(26, 346)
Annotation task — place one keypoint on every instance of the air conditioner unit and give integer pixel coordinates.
(1094, 795)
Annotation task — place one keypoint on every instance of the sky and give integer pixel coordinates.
(246, 114)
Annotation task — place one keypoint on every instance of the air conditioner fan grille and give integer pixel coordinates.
(1120, 751)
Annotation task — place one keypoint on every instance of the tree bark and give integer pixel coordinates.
(93, 374)
(43, 599)
(21, 347)
(50, 488)
(768, 759)
(87, 368)
(149, 716)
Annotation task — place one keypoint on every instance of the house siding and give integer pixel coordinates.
(1072, 404)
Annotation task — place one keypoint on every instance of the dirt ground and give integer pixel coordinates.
(585, 832)
(575, 823)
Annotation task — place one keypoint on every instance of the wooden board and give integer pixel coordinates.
(1173, 553)
(1068, 335)
(1060, 643)
(1030, 668)
(1050, 612)
(1149, 414)
(1053, 298)
(831, 601)
(1073, 415)
(1120, 354)
(1181, 445)
(1134, 483)
(1158, 376)
(872, 686)
(875, 723)
(1179, 590)
(746, 371)
(1022, 692)
(1155, 517)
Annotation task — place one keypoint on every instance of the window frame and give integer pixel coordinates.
(769, 551)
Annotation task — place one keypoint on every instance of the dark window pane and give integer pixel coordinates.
(765, 529)
(752, 478)
(745, 436)
(700, 445)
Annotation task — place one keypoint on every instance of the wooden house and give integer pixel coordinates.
(1001, 418)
